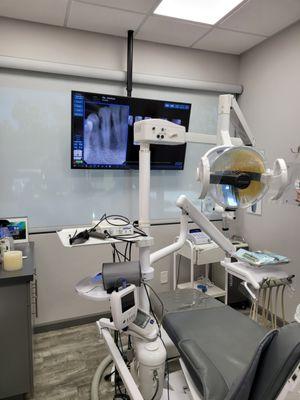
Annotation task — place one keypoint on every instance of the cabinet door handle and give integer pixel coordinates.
(36, 299)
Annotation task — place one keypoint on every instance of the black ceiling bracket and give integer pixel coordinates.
(129, 62)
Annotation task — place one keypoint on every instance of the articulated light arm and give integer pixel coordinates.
(204, 138)
(205, 224)
(189, 210)
(229, 112)
(244, 130)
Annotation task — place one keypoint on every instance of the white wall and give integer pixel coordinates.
(270, 74)
(59, 269)
(49, 43)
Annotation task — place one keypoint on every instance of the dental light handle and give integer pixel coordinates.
(280, 177)
(205, 224)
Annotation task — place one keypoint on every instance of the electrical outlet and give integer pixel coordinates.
(164, 277)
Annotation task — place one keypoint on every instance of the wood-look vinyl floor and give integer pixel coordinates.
(65, 361)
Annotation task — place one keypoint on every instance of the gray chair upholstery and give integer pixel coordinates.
(231, 357)
(277, 363)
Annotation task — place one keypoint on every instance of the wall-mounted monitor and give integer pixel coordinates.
(102, 131)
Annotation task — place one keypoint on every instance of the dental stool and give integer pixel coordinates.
(227, 355)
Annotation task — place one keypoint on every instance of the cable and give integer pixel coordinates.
(119, 253)
(178, 270)
(135, 225)
(276, 305)
(263, 313)
(116, 216)
(122, 237)
(99, 222)
(167, 366)
(117, 338)
(158, 298)
(159, 331)
(151, 309)
(121, 344)
(157, 384)
(168, 376)
(113, 254)
(282, 304)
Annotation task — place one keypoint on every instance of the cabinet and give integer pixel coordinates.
(16, 360)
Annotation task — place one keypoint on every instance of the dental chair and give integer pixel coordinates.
(228, 356)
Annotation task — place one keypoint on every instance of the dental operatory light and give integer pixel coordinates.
(205, 11)
(237, 176)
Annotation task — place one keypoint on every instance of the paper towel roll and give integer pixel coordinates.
(12, 260)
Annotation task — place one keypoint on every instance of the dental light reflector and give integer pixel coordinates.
(235, 176)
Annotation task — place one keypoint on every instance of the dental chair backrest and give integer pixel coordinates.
(277, 363)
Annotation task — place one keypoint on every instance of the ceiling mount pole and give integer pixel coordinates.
(129, 62)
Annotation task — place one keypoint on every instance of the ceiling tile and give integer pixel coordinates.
(171, 31)
(264, 17)
(44, 11)
(102, 19)
(142, 6)
(228, 41)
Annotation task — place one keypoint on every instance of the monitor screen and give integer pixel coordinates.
(127, 302)
(102, 131)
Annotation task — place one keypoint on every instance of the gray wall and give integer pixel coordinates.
(270, 74)
(50, 43)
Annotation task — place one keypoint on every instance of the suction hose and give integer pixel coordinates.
(97, 377)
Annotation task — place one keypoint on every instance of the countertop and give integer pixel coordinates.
(26, 273)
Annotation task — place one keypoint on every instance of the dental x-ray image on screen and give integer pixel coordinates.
(105, 133)
(102, 131)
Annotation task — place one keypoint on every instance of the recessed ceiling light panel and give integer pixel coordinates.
(205, 11)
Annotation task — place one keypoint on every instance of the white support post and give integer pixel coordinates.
(144, 219)
(223, 135)
(144, 187)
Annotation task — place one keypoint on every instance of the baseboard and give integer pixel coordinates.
(68, 323)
